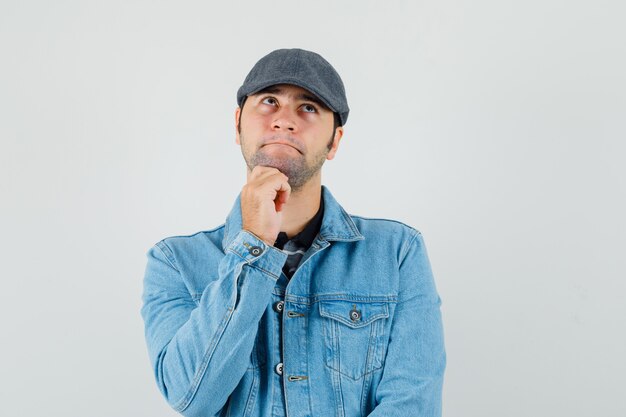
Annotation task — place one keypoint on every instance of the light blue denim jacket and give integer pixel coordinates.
(359, 332)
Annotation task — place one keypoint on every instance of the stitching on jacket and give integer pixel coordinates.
(184, 402)
(253, 265)
(406, 246)
(167, 252)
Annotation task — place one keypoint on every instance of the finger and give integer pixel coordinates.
(261, 171)
(283, 192)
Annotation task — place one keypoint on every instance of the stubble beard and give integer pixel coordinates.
(294, 167)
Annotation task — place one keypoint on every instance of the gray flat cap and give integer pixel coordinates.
(305, 69)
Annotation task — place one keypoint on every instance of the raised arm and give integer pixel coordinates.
(199, 353)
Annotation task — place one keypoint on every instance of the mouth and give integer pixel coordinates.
(280, 144)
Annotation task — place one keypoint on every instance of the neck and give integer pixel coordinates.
(301, 207)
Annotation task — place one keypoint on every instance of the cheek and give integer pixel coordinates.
(325, 132)
(327, 124)
(254, 120)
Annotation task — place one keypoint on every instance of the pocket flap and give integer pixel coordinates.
(353, 313)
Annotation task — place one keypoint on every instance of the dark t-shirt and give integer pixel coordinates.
(297, 246)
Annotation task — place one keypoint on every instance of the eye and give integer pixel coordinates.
(309, 108)
(269, 100)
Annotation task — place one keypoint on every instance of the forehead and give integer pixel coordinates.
(291, 91)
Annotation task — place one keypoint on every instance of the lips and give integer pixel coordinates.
(281, 143)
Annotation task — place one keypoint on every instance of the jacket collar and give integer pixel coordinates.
(337, 225)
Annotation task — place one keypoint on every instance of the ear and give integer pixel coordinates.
(237, 112)
(336, 139)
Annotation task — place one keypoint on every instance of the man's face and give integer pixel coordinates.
(288, 128)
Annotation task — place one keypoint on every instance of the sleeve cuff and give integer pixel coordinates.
(256, 252)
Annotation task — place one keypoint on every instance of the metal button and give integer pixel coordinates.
(279, 306)
(279, 368)
(255, 250)
(355, 315)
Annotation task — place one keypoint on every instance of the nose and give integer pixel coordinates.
(284, 119)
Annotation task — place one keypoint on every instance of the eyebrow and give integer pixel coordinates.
(301, 96)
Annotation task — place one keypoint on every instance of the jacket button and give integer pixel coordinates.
(279, 306)
(355, 315)
(279, 368)
(255, 250)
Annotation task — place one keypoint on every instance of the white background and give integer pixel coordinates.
(495, 127)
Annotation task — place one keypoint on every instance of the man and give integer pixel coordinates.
(293, 307)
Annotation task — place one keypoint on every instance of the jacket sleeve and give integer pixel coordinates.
(200, 352)
(412, 379)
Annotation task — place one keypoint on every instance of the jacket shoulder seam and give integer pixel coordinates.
(163, 247)
(407, 245)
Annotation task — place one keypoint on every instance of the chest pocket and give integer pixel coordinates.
(354, 335)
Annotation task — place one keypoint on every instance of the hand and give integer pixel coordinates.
(262, 201)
